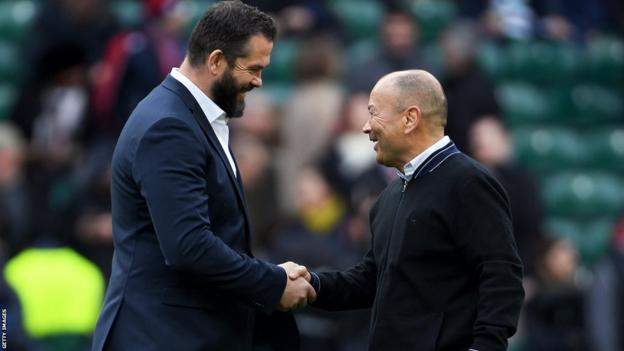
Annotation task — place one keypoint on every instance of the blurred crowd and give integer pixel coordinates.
(309, 172)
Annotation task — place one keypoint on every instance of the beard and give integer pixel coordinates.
(226, 95)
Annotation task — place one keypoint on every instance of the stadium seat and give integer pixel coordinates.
(282, 62)
(361, 18)
(604, 61)
(194, 10)
(16, 18)
(596, 240)
(543, 62)
(7, 98)
(564, 228)
(524, 103)
(9, 63)
(130, 13)
(591, 237)
(433, 16)
(361, 51)
(491, 59)
(606, 148)
(592, 104)
(583, 194)
(548, 148)
(278, 93)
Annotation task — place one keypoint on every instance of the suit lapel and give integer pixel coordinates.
(180, 90)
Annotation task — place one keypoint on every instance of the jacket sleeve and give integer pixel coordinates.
(351, 289)
(170, 167)
(483, 233)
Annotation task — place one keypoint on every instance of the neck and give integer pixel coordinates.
(418, 145)
(195, 75)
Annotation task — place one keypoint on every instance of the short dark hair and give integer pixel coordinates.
(227, 26)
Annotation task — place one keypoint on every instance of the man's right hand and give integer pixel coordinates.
(297, 294)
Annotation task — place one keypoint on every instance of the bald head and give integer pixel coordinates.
(417, 88)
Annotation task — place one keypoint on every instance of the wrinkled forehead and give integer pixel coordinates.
(382, 95)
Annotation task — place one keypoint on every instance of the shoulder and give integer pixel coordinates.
(465, 173)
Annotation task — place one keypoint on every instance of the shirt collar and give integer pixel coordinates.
(411, 166)
(210, 109)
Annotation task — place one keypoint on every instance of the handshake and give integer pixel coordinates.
(298, 292)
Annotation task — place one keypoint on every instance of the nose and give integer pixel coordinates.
(256, 82)
(366, 129)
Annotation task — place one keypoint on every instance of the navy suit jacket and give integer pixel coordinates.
(183, 276)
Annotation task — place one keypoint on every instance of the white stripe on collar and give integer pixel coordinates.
(412, 166)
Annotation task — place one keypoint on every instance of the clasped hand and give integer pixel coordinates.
(298, 292)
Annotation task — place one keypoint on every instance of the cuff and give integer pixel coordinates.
(315, 281)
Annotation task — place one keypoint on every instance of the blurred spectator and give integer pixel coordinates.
(91, 207)
(571, 20)
(259, 119)
(509, 19)
(554, 314)
(257, 171)
(85, 22)
(51, 109)
(299, 17)
(605, 305)
(350, 164)
(61, 294)
(399, 40)
(468, 92)
(311, 113)
(14, 192)
(316, 238)
(490, 144)
(135, 62)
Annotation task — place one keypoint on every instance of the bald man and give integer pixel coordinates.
(442, 272)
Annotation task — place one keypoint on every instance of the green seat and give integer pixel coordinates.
(604, 61)
(65, 342)
(543, 62)
(597, 240)
(282, 62)
(548, 149)
(361, 51)
(492, 60)
(16, 18)
(591, 104)
(361, 18)
(433, 16)
(10, 64)
(130, 13)
(7, 98)
(606, 148)
(278, 93)
(195, 10)
(583, 194)
(524, 103)
(590, 237)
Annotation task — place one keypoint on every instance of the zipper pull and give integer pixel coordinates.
(404, 186)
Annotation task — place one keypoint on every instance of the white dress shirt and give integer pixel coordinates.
(216, 116)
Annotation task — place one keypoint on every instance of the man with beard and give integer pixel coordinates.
(183, 276)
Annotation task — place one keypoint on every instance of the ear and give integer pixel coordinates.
(216, 62)
(411, 119)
